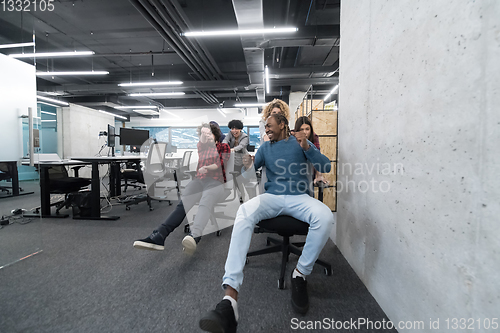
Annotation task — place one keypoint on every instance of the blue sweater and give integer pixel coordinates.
(287, 166)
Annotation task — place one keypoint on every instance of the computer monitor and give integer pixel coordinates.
(111, 136)
(133, 137)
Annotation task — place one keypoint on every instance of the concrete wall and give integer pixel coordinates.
(78, 130)
(419, 127)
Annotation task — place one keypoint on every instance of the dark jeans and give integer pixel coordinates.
(205, 191)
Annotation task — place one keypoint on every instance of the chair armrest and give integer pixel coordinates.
(190, 173)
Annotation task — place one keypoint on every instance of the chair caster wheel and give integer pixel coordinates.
(218, 233)
(127, 208)
(328, 272)
(187, 230)
(268, 242)
(170, 203)
(281, 284)
(150, 209)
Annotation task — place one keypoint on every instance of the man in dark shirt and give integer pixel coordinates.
(206, 188)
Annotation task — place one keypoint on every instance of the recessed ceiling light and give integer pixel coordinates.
(52, 54)
(8, 46)
(72, 73)
(136, 107)
(51, 100)
(158, 94)
(238, 32)
(150, 84)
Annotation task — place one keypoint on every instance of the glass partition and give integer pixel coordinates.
(21, 232)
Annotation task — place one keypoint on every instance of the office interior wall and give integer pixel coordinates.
(17, 94)
(78, 130)
(419, 133)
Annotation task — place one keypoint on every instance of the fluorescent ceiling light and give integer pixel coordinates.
(136, 107)
(112, 114)
(48, 121)
(221, 112)
(149, 84)
(331, 92)
(249, 105)
(55, 101)
(266, 71)
(51, 113)
(239, 32)
(56, 106)
(147, 112)
(171, 113)
(52, 54)
(8, 46)
(158, 94)
(72, 73)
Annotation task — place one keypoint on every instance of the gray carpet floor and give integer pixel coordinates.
(89, 278)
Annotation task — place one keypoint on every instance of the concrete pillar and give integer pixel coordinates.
(419, 134)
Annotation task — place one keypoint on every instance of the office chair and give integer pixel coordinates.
(4, 176)
(229, 195)
(182, 171)
(153, 172)
(132, 175)
(61, 183)
(286, 227)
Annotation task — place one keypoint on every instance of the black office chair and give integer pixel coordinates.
(132, 176)
(61, 183)
(286, 227)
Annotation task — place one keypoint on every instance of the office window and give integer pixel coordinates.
(185, 137)
(254, 136)
(159, 133)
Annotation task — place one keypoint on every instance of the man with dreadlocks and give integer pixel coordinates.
(287, 159)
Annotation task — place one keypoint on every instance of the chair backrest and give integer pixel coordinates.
(155, 162)
(228, 168)
(58, 172)
(186, 159)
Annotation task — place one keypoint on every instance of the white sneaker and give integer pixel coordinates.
(189, 244)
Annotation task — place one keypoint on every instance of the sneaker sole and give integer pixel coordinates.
(189, 245)
(211, 325)
(148, 246)
(299, 309)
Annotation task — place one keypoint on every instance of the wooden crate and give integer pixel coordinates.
(329, 197)
(324, 122)
(315, 104)
(328, 145)
(332, 175)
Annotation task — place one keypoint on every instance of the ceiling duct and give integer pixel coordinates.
(164, 17)
(249, 15)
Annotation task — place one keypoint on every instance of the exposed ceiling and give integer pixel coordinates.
(141, 41)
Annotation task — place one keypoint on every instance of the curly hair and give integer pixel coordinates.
(276, 103)
(235, 123)
(213, 128)
(304, 120)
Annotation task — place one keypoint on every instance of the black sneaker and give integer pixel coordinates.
(220, 320)
(300, 299)
(153, 242)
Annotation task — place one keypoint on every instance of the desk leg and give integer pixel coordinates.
(15, 178)
(95, 198)
(45, 196)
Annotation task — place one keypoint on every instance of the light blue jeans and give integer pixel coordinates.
(265, 206)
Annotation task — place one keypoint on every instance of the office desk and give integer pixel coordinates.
(10, 168)
(114, 180)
